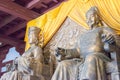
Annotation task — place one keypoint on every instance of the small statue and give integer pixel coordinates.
(31, 62)
(8, 67)
(93, 46)
(7, 75)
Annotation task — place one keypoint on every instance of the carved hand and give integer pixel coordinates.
(109, 42)
(108, 38)
(60, 54)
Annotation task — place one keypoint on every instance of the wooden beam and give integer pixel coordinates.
(50, 8)
(33, 3)
(7, 20)
(3, 54)
(56, 1)
(44, 5)
(17, 10)
(3, 44)
(11, 41)
(5, 48)
(15, 28)
(11, 18)
(21, 35)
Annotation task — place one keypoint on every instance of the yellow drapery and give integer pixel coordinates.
(76, 9)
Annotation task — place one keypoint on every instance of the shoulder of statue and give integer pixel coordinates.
(109, 30)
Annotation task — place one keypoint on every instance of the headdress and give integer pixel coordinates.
(36, 30)
(92, 10)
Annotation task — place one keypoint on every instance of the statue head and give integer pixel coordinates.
(92, 17)
(33, 35)
(8, 67)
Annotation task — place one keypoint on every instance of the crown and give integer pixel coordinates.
(92, 10)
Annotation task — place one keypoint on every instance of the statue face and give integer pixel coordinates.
(8, 67)
(92, 19)
(33, 38)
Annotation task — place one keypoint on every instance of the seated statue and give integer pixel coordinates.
(31, 62)
(87, 61)
(29, 65)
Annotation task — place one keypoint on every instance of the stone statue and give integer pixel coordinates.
(87, 61)
(29, 65)
(31, 62)
(6, 75)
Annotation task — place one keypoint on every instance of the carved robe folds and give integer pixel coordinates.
(29, 63)
(92, 66)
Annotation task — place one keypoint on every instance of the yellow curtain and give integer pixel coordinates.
(51, 21)
(76, 9)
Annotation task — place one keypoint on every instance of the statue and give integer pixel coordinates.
(92, 52)
(30, 63)
(6, 75)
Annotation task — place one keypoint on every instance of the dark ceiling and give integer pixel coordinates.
(14, 14)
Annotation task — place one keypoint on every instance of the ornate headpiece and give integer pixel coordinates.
(92, 10)
(34, 29)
